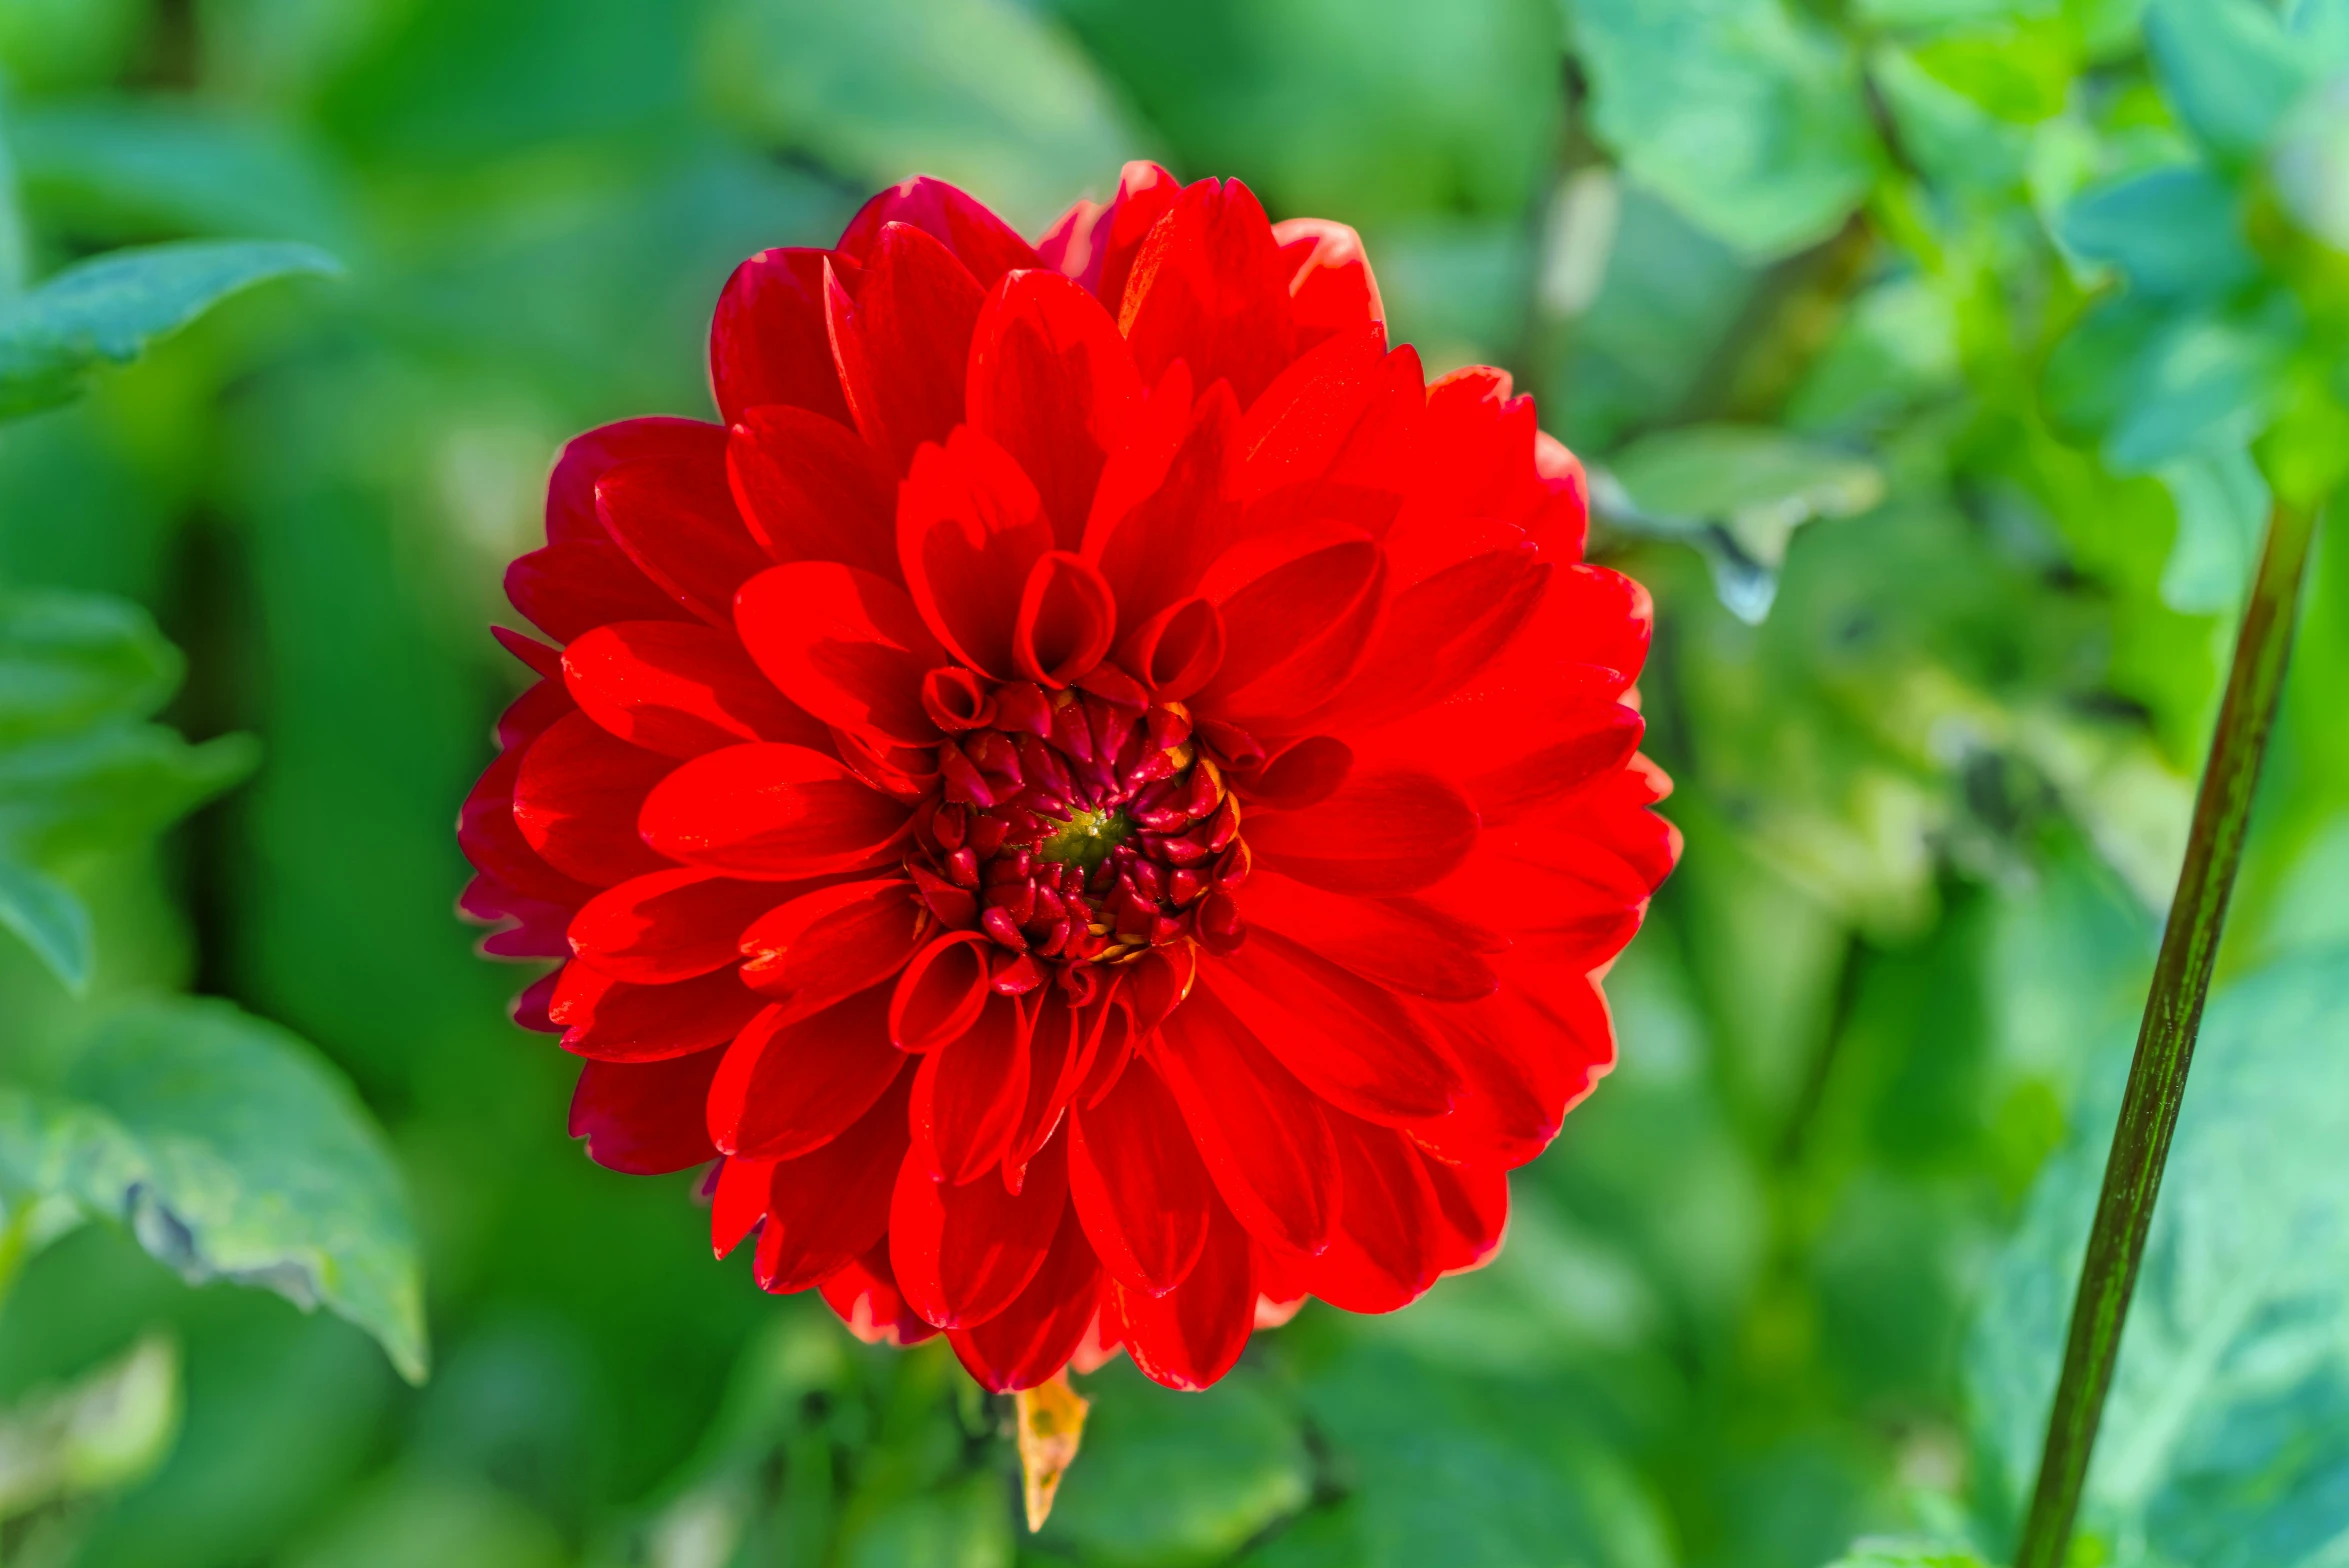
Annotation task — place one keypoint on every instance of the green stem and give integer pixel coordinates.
(2165, 1042)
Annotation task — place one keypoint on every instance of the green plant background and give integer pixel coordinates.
(1930, 349)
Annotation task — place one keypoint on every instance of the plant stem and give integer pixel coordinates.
(2165, 1041)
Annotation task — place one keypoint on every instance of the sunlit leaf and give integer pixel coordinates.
(134, 167)
(2226, 1437)
(1907, 1554)
(2233, 69)
(48, 918)
(104, 1430)
(232, 1152)
(2171, 232)
(71, 660)
(109, 785)
(109, 309)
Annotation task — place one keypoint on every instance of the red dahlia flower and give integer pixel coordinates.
(1094, 791)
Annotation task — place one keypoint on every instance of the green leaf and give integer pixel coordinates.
(232, 1152)
(12, 241)
(1750, 121)
(98, 1433)
(2226, 1438)
(983, 93)
(2222, 504)
(135, 167)
(1738, 493)
(82, 794)
(70, 660)
(50, 920)
(110, 308)
(2232, 69)
(2204, 377)
(1166, 1477)
(2173, 233)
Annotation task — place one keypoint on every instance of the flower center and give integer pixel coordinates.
(1086, 838)
(1077, 828)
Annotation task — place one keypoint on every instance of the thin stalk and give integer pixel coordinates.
(2165, 1041)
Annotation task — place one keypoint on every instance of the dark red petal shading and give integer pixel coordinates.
(1176, 651)
(1066, 622)
(968, 1094)
(620, 1021)
(1439, 634)
(1472, 1206)
(573, 586)
(1190, 1336)
(1299, 609)
(845, 644)
(1259, 1131)
(570, 491)
(493, 841)
(767, 340)
(1165, 510)
(1032, 1339)
(940, 992)
(970, 530)
(1136, 1179)
(865, 1297)
(677, 522)
(1058, 1047)
(738, 1201)
(983, 242)
(1303, 775)
(903, 344)
(1385, 831)
(812, 490)
(1347, 1039)
(1384, 1252)
(771, 811)
(1209, 288)
(963, 1254)
(1524, 1063)
(832, 942)
(1331, 290)
(1398, 943)
(679, 688)
(669, 925)
(645, 1118)
(788, 1087)
(1053, 384)
(831, 1205)
(576, 800)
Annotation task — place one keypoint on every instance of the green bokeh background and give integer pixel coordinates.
(1932, 802)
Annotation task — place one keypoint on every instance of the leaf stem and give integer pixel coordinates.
(2165, 1041)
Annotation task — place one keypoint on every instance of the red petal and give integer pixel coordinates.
(1189, 1337)
(831, 1205)
(984, 243)
(1056, 1065)
(738, 1203)
(1053, 384)
(1525, 1063)
(576, 800)
(1032, 1339)
(903, 346)
(1386, 830)
(1298, 611)
(832, 942)
(493, 841)
(1165, 509)
(645, 1118)
(1305, 774)
(940, 993)
(1176, 651)
(1067, 620)
(541, 660)
(1135, 1177)
(678, 523)
(1396, 942)
(570, 491)
(865, 1296)
(970, 530)
(1331, 289)
(1439, 634)
(812, 490)
(1384, 1253)
(969, 1093)
(1346, 1038)
(1096, 243)
(1259, 1131)
(1336, 434)
(670, 925)
(1209, 288)
(767, 341)
(963, 1254)
(787, 1088)
(574, 586)
(679, 689)
(771, 811)
(619, 1021)
(844, 644)
(1472, 1205)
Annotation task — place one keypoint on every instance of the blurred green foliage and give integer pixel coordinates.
(1964, 338)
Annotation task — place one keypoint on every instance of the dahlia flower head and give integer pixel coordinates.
(1095, 793)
